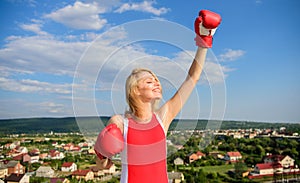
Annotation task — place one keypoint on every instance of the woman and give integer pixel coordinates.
(140, 135)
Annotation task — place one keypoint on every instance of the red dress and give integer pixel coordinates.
(144, 155)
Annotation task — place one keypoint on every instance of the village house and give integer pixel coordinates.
(43, 155)
(59, 180)
(91, 151)
(31, 158)
(97, 171)
(267, 168)
(14, 167)
(21, 150)
(178, 161)
(18, 157)
(195, 156)
(250, 135)
(72, 147)
(175, 177)
(54, 144)
(68, 167)
(233, 156)
(237, 135)
(84, 146)
(54, 154)
(111, 169)
(216, 155)
(45, 171)
(17, 178)
(13, 145)
(3, 170)
(13, 153)
(285, 161)
(83, 175)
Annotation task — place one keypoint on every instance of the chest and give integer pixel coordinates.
(145, 134)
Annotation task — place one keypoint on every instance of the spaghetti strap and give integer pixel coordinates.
(160, 122)
(124, 173)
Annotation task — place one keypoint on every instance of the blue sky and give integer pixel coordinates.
(71, 58)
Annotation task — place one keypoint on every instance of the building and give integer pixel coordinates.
(45, 171)
(59, 180)
(19, 178)
(110, 169)
(83, 175)
(68, 167)
(195, 156)
(175, 177)
(14, 167)
(3, 170)
(216, 155)
(178, 161)
(31, 158)
(54, 154)
(285, 161)
(233, 156)
(267, 168)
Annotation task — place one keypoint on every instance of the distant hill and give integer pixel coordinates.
(46, 125)
(95, 124)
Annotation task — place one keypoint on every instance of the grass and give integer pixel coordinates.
(217, 169)
(223, 169)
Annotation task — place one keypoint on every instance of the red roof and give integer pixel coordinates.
(234, 154)
(276, 157)
(18, 157)
(200, 153)
(81, 172)
(263, 166)
(56, 180)
(67, 164)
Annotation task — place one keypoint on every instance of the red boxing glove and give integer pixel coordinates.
(109, 142)
(205, 26)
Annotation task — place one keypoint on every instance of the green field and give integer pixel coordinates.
(209, 169)
(218, 169)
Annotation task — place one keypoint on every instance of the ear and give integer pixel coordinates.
(136, 91)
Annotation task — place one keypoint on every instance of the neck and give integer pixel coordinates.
(144, 114)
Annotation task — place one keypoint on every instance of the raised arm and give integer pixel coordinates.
(205, 26)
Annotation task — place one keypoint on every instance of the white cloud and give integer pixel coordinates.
(41, 54)
(33, 108)
(231, 55)
(51, 107)
(36, 28)
(258, 1)
(31, 3)
(80, 16)
(33, 86)
(105, 5)
(213, 72)
(105, 62)
(145, 6)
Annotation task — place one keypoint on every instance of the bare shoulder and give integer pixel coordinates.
(118, 120)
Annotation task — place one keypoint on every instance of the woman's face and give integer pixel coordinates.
(148, 87)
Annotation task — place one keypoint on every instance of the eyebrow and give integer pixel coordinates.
(149, 77)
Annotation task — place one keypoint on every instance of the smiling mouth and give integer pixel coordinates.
(157, 90)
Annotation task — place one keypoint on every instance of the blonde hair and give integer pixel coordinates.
(131, 84)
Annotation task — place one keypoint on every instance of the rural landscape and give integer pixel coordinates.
(55, 150)
(227, 71)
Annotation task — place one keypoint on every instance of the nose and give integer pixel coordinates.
(157, 83)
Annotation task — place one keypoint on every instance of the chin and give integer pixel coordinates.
(158, 97)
